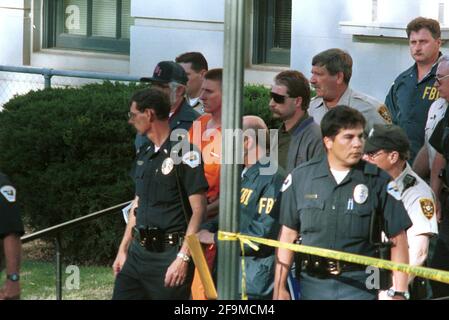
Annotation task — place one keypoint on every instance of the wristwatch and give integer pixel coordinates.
(393, 293)
(14, 277)
(183, 256)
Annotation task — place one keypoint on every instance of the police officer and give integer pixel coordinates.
(440, 185)
(170, 190)
(331, 73)
(329, 203)
(413, 91)
(260, 185)
(388, 148)
(11, 228)
(171, 78)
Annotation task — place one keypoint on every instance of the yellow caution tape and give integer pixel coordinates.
(423, 272)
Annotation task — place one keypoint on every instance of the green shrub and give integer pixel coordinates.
(69, 152)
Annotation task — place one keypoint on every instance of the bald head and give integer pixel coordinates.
(253, 122)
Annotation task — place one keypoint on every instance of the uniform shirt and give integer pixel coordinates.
(368, 106)
(156, 185)
(418, 200)
(10, 221)
(181, 119)
(337, 217)
(439, 135)
(436, 113)
(409, 101)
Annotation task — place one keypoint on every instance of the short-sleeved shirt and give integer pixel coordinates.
(373, 110)
(436, 113)
(209, 143)
(439, 134)
(409, 101)
(181, 119)
(337, 216)
(156, 185)
(419, 201)
(10, 220)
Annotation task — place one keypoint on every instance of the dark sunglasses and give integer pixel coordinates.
(278, 98)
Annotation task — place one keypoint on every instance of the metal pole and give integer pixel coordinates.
(58, 268)
(47, 78)
(229, 252)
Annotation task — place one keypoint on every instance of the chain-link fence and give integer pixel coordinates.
(21, 80)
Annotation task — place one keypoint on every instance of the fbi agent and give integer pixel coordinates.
(329, 202)
(413, 91)
(170, 188)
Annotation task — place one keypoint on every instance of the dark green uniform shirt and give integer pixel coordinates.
(10, 221)
(156, 185)
(338, 217)
(409, 102)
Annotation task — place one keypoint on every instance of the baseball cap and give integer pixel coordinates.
(167, 71)
(387, 137)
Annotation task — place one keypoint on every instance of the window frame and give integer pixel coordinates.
(264, 51)
(54, 36)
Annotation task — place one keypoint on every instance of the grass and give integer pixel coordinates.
(38, 282)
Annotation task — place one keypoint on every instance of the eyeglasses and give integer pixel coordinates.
(278, 98)
(132, 115)
(438, 80)
(375, 154)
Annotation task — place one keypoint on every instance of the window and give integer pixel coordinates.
(272, 31)
(100, 25)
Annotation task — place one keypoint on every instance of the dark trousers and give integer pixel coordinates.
(440, 258)
(142, 277)
(347, 286)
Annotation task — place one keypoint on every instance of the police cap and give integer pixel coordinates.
(387, 137)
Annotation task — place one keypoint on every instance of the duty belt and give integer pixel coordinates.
(323, 267)
(155, 240)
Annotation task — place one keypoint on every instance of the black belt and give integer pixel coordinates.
(323, 267)
(155, 240)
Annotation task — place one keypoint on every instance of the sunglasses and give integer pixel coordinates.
(278, 98)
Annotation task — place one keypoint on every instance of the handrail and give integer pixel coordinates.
(56, 232)
(70, 224)
(67, 73)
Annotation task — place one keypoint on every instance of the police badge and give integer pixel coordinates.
(428, 208)
(167, 166)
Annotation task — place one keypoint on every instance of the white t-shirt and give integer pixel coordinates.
(339, 175)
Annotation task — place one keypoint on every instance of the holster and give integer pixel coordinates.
(151, 238)
(418, 289)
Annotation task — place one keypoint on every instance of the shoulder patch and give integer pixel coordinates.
(427, 207)
(9, 192)
(385, 114)
(287, 183)
(192, 159)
